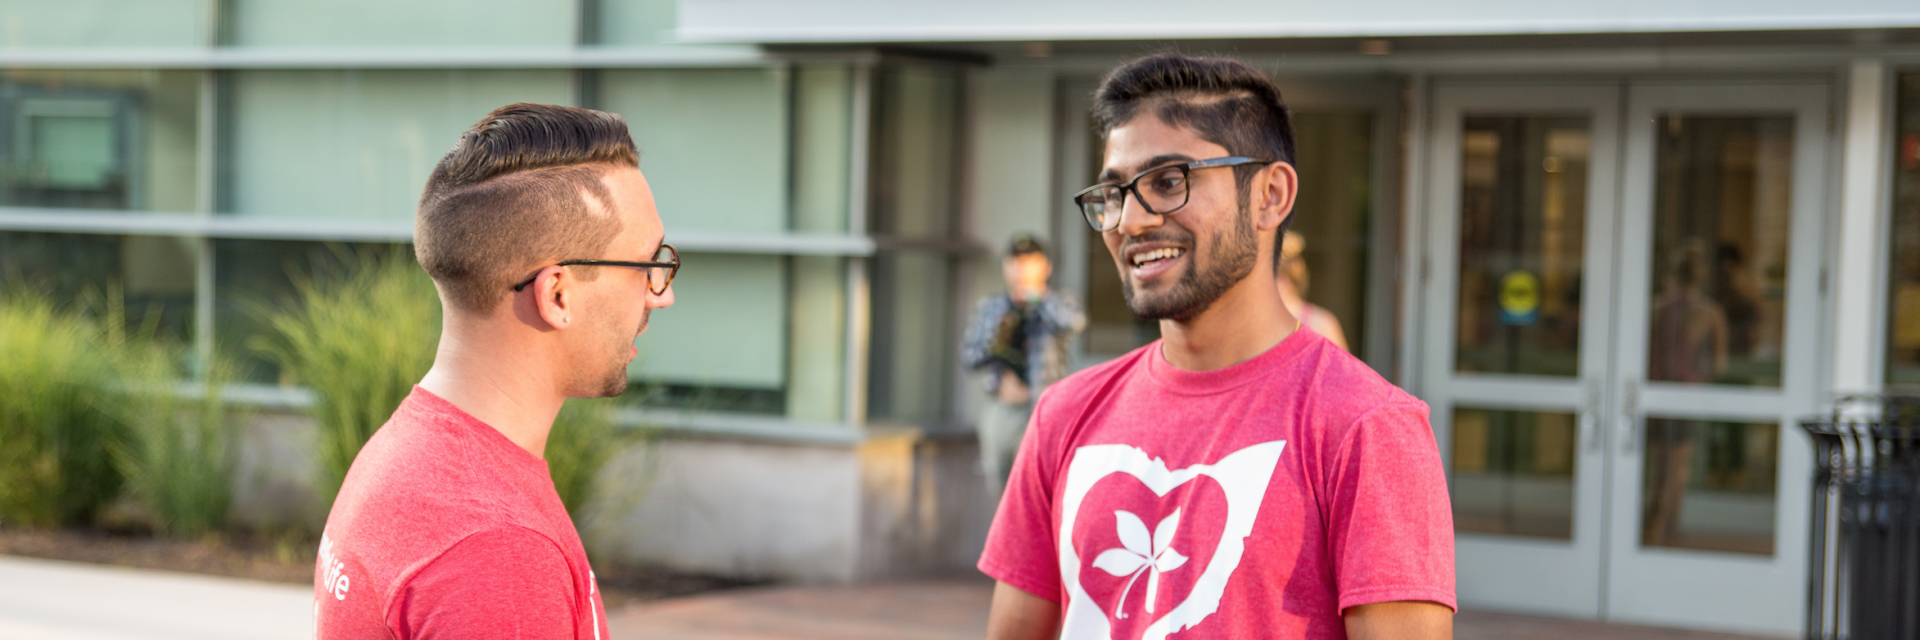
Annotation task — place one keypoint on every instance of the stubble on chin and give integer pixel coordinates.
(1231, 254)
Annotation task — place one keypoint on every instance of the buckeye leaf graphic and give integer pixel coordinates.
(1140, 553)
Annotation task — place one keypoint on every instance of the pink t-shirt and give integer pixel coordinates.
(1256, 501)
(444, 528)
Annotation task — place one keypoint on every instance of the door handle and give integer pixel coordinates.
(1629, 417)
(1590, 419)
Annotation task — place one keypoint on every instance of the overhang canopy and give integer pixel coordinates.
(866, 21)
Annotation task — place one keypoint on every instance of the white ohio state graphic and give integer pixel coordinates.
(1243, 476)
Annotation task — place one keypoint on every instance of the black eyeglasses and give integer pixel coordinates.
(659, 272)
(1166, 191)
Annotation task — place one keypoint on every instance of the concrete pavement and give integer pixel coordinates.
(53, 600)
(957, 609)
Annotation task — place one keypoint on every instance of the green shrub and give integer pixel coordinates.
(359, 342)
(55, 385)
(180, 448)
(581, 443)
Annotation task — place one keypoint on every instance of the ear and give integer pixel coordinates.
(1272, 197)
(553, 297)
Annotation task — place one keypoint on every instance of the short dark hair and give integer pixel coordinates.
(1223, 100)
(1024, 244)
(521, 189)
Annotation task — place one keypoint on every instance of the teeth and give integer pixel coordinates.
(1156, 254)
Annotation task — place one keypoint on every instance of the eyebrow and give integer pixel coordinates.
(1110, 175)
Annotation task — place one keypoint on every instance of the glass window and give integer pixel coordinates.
(635, 22)
(155, 274)
(1903, 322)
(104, 23)
(99, 139)
(1722, 204)
(1710, 485)
(704, 133)
(1523, 211)
(916, 150)
(1332, 213)
(416, 23)
(359, 144)
(256, 277)
(727, 326)
(1512, 472)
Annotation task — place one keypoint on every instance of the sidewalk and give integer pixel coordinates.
(955, 609)
(52, 600)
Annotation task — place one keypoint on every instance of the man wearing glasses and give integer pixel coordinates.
(1238, 478)
(541, 236)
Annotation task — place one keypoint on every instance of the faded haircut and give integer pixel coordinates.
(1222, 100)
(521, 190)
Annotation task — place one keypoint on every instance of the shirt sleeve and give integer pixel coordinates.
(1390, 522)
(1021, 545)
(502, 583)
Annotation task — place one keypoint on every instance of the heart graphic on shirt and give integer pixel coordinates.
(1196, 541)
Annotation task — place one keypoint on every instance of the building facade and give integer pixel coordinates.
(1620, 250)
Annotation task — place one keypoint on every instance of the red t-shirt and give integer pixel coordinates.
(444, 528)
(1256, 501)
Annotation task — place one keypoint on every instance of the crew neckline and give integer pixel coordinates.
(1227, 378)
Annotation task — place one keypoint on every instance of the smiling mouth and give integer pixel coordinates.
(1147, 258)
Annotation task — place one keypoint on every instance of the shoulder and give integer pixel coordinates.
(1342, 390)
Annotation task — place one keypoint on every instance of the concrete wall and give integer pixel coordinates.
(274, 477)
(894, 504)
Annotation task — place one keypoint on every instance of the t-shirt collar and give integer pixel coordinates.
(1224, 379)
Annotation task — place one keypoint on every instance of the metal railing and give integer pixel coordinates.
(1864, 573)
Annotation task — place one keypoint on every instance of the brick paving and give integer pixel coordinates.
(953, 609)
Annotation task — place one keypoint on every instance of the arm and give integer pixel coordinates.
(974, 347)
(1018, 615)
(1403, 620)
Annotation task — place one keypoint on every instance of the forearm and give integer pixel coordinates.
(1018, 615)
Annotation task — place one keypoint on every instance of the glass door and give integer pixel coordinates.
(1514, 362)
(1717, 320)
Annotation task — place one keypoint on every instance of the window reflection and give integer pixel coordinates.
(153, 274)
(1903, 309)
(98, 139)
(1523, 210)
(1513, 473)
(1710, 485)
(1722, 204)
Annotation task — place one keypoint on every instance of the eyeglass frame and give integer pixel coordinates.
(673, 269)
(1133, 185)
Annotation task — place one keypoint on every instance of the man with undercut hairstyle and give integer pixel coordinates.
(542, 239)
(1239, 477)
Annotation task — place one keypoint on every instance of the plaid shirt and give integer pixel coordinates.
(1050, 325)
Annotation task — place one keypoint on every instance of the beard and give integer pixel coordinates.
(611, 378)
(1229, 258)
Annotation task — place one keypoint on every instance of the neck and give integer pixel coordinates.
(1243, 323)
(494, 380)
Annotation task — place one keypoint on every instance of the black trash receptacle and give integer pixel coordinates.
(1864, 569)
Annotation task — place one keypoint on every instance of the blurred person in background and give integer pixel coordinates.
(1238, 478)
(1293, 290)
(542, 239)
(1018, 344)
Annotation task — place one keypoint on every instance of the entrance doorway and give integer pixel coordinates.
(1620, 321)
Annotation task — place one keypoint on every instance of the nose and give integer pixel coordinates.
(1134, 217)
(660, 300)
